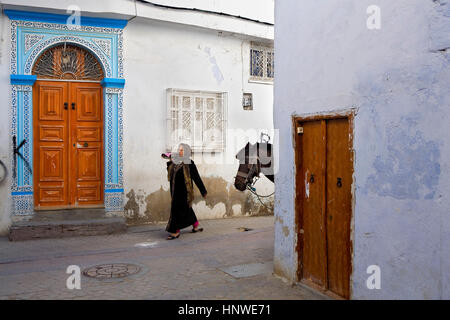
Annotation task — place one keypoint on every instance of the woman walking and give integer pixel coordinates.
(181, 171)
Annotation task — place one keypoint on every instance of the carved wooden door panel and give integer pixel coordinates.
(68, 144)
(86, 129)
(50, 116)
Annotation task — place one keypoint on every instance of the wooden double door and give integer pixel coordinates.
(324, 166)
(68, 144)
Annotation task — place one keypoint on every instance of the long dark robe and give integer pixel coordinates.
(181, 213)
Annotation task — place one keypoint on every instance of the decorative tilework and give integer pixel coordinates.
(114, 201)
(120, 138)
(109, 131)
(27, 133)
(120, 54)
(22, 204)
(114, 90)
(31, 39)
(14, 47)
(13, 129)
(71, 39)
(107, 45)
(104, 44)
(25, 92)
(88, 30)
(24, 88)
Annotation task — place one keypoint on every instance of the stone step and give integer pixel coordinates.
(66, 223)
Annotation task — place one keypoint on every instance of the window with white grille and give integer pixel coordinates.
(261, 62)
(197, 118)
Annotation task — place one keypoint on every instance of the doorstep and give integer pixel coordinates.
(67, 223)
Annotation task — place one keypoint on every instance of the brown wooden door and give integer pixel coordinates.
(339, 206)
(314, 250)
(50, 143)
(68, 144)
(86, 128)
(324, 179)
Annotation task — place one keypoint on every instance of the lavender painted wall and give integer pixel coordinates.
(398, 80)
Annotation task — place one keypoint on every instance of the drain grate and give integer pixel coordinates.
(111, 271)
(243, 229)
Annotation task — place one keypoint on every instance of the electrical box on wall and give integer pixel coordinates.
(247, 101)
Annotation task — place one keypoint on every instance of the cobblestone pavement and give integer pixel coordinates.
(190, 267)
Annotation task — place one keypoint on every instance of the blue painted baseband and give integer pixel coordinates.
(63, 19)
(113, 83)
(20, 193)
(23, 79)
(113, 190)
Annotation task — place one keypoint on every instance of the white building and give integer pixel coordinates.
(361, 202)
(95, 96)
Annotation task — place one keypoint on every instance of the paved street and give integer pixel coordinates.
(222, 262)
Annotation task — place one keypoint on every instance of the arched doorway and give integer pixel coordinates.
(68, 129)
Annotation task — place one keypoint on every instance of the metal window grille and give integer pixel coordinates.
(197, 118)
(67, 62)
(261, 62)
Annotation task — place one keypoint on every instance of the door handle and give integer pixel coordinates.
(311, 179)
(66, 105)
(73, 105)
(84, 145)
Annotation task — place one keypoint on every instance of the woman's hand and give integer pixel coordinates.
(204, 195)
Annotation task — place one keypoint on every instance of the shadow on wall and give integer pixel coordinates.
(222, 201)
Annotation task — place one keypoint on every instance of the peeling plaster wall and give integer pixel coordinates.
(398, 79)
(5, 144)
(162, 55)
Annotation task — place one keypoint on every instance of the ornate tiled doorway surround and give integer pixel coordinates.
(31, 34)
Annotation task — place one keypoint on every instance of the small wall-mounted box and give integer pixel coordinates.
(247, 101)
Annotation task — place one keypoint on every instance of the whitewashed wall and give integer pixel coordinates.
(167, 49)
(160, 56)
(398, 79)
(261, 10)
(5, 144)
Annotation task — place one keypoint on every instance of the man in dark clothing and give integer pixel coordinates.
(181, 171)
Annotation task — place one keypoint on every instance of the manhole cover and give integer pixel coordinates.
(111, 271)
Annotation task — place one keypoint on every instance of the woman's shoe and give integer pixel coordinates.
(197, 230)
(171, 237)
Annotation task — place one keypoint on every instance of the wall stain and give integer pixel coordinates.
(286, 231)
(157, 204)
(214, 66)
(131, 208)
(279, 219)
(410, 169)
